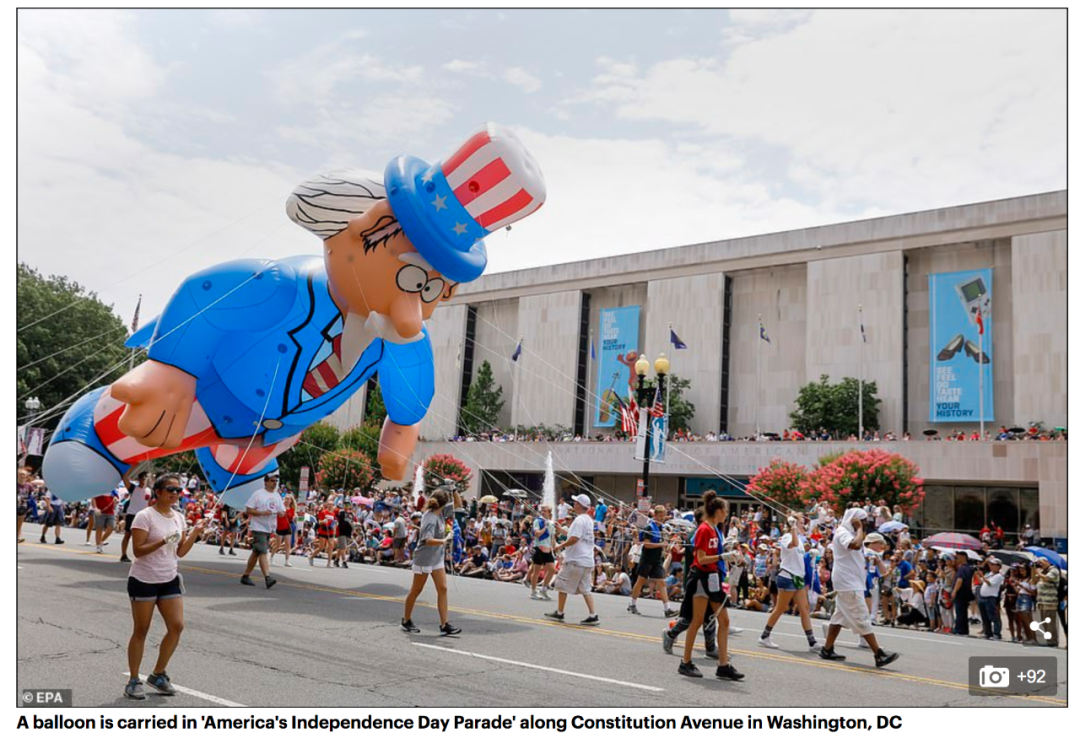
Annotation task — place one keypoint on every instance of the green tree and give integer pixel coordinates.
(67, 342)
(483, 403)
(441, 467)
(346, 469)
(365, 439)
(376, 408)
(314, 442)
(680, 410)
(835, 407)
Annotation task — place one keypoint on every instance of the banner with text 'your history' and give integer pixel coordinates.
(960, 308)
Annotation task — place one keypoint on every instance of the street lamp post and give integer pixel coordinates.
(645, 398)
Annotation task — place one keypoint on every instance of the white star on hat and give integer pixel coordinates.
(460, 228)
(439, 203)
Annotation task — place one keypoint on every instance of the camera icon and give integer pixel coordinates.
(994, 677)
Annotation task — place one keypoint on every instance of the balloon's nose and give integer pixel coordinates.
(406, 314)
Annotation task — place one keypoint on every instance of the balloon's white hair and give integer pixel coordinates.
(327, 202)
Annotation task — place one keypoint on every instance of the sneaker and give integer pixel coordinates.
(767, 642)
(311, 560)
(713, 652)
(408, 626)
(124, 559)
(221, 552)
(555, 616)
(134, 690)
(344, 564)
(448, 630)
(246, 580)
(270, 582)
(161, 683)
(734, 630)
(814, 647)
(544, 595)
(830, 654)
(668, 641)
(687, 668)
(670, 613)
(591, 620)
(88, 544)
(99, 550)
(729, 672)
(884, 658)
(232, 553)
(288, 563)
(58, 542)
(535, 595)
(632, 609)
(337, 563)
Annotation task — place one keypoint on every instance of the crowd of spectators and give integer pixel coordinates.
(908, 584)
(563, 435)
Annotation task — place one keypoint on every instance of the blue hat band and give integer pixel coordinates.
(434, 219)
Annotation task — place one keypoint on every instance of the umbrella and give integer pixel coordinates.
(930, 432)
(1052, 556)
(518, 494)
(1018, 430)
(681, 523)
(892, 525)
(1012, 558)
(953, 551)
(953, 540)
(488, 500)
(364, 501)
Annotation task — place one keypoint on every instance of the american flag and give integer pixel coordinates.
(629, 415)
(658, 408)
(135, 320)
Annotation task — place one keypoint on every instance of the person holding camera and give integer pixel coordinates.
(989, 594)
(158, 541)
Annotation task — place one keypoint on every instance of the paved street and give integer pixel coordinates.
(330, 637)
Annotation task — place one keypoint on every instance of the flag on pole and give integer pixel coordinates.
(979, 320)
(517, 351)
(629, 415)
(675, 341)
(862, 330)
(592, 350)
(761, 331)
(658, 407)
(135, 320)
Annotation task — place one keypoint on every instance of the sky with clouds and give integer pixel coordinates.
(155, 143)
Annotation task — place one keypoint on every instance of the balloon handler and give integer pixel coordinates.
(250, 353)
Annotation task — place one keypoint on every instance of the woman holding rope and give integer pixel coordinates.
(430, 559)
(791, 585)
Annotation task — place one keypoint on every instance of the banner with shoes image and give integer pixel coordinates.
(960, 308)
(618, 352)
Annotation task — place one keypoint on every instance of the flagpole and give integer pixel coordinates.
(134, 329)
(757, 405)
(667, 388)
(588, 378)
(862, 343)
(982, 422)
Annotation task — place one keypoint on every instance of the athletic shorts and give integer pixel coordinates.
(324, 536)
(128, 520)
(283, 532)
(104, 522)
(53, 518)
(650, 570)
(709, 586)
(851, 612)
(23, 509)
(146, 592)
(787, 583)
(417, 569)
(574, 579)
(399, 544)
(344, 541)
(260, 542)
(542, 558)
(228, 523)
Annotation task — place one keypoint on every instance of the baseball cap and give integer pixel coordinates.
(582, 499)
(994, 560)
(272, 475)
(875, 538)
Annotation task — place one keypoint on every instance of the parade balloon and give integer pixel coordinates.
(250, 353)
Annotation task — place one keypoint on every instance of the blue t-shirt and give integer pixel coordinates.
(601, 512)
(903, 569)
(542, 532)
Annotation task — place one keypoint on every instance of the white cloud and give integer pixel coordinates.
(460, 66)
(883, 107)
(236, 17)
(521, 78)
(383, 119)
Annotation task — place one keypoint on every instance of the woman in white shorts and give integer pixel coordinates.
(429, 560)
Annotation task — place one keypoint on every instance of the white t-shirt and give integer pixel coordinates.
(849, 565)
(991, 584)
(140, 499)
(581, 553)
(562, 510)
(265, 501)
(160, 566)
(791, 559)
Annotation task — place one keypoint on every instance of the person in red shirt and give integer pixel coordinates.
(286, 528)
(103, 509)
(326, 519)
(705, 586)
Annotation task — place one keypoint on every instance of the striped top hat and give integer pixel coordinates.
(446, 209)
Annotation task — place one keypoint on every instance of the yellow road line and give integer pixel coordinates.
(602, 631)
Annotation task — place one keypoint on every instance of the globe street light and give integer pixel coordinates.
(645, 398)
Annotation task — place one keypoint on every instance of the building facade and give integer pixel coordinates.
(805, 287)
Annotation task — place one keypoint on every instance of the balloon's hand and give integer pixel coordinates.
(396, 445)
(159, 399)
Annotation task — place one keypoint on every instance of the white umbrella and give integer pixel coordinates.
(953, 551)
(418, 483)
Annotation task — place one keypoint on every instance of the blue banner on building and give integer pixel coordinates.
(960, 307)
(618, 339)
